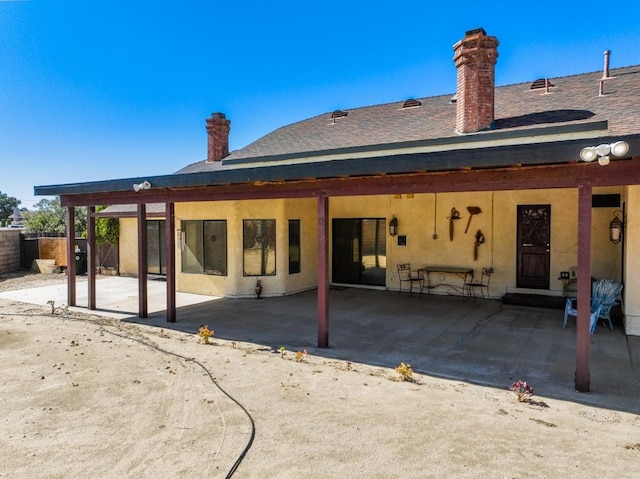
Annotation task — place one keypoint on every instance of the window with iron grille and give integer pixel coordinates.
(259, 247)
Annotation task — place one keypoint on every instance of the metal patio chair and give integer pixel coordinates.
(405, 275)
(482, 284)
(604, 295)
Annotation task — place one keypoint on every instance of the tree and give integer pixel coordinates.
(7, 204)
(107, 234)
(107, 229)
(49, 217)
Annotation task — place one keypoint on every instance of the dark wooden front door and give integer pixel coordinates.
(534, 245)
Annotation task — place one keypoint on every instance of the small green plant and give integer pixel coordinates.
(301, 356)
(283, 351)
(405, 372)
(522, 389)
(205, 333)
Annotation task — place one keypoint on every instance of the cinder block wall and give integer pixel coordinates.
(9, 250)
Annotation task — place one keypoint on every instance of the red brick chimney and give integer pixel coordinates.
(475, 57)
(218, 131)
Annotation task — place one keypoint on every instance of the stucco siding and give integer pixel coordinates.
(423, 221)
(235, 284)
(632, 263)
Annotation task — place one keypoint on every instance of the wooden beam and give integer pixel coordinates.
(142, 261)
(170, 255)
(584, 288)
(91, 257)
(71, 256)
(617, 173)
(323, 271)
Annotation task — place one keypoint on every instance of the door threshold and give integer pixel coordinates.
(359, 286)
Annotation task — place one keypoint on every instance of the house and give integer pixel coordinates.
(535, 171)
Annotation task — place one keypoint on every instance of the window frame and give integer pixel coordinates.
(295, 242)
(259, 235)
(202, 252)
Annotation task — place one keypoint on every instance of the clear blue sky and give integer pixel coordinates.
(117, 89)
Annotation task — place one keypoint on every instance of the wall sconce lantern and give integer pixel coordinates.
(602, 152)
(615, 228)
(393, 226)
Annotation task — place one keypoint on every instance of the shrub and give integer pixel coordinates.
(405, 372)
(205, 333)
(522, 389)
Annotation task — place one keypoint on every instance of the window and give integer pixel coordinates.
(259, 247)
(294, 246)
(204, 247)
(156, 247)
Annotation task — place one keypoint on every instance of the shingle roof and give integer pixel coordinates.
(572, 100)
(121, 211)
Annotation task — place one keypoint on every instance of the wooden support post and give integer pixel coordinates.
(142, 261)
(584, 288)
(170, 255)
(91, 256)
(71, 256)
(323, 271)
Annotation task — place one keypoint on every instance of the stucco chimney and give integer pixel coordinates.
(475, 57)
(218, 131)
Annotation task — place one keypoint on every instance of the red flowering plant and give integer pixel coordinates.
(522, 389)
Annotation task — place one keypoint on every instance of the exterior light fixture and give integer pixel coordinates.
(393, 226)
(602, 152)
(145, 185)
(615, 228)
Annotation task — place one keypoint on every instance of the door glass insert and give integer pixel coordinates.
(359, 251)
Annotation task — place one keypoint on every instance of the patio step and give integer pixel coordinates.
(534, 300)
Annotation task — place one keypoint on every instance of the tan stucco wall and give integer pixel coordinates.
(128, 247)
(235, 284)
(605, 257)
(419, 217)
(632, 263)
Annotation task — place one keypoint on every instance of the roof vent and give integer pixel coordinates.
(411, 103)
(339, 114)
(540, 84)
(454, 99)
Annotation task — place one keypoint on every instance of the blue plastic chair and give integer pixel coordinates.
(604, 293)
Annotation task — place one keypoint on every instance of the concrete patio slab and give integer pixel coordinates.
(484, 342)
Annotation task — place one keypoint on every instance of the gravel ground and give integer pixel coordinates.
(86, 396)
(25, 279)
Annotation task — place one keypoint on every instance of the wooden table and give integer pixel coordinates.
(431, 273)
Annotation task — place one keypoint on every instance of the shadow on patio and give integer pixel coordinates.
(484, 342)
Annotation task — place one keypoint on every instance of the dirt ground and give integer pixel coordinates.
(85, 396)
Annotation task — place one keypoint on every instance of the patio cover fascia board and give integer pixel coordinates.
(550, 165)
(129, 214)
(618, 173)
(468, 141)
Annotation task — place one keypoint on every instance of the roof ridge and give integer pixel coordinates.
(611, 70)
